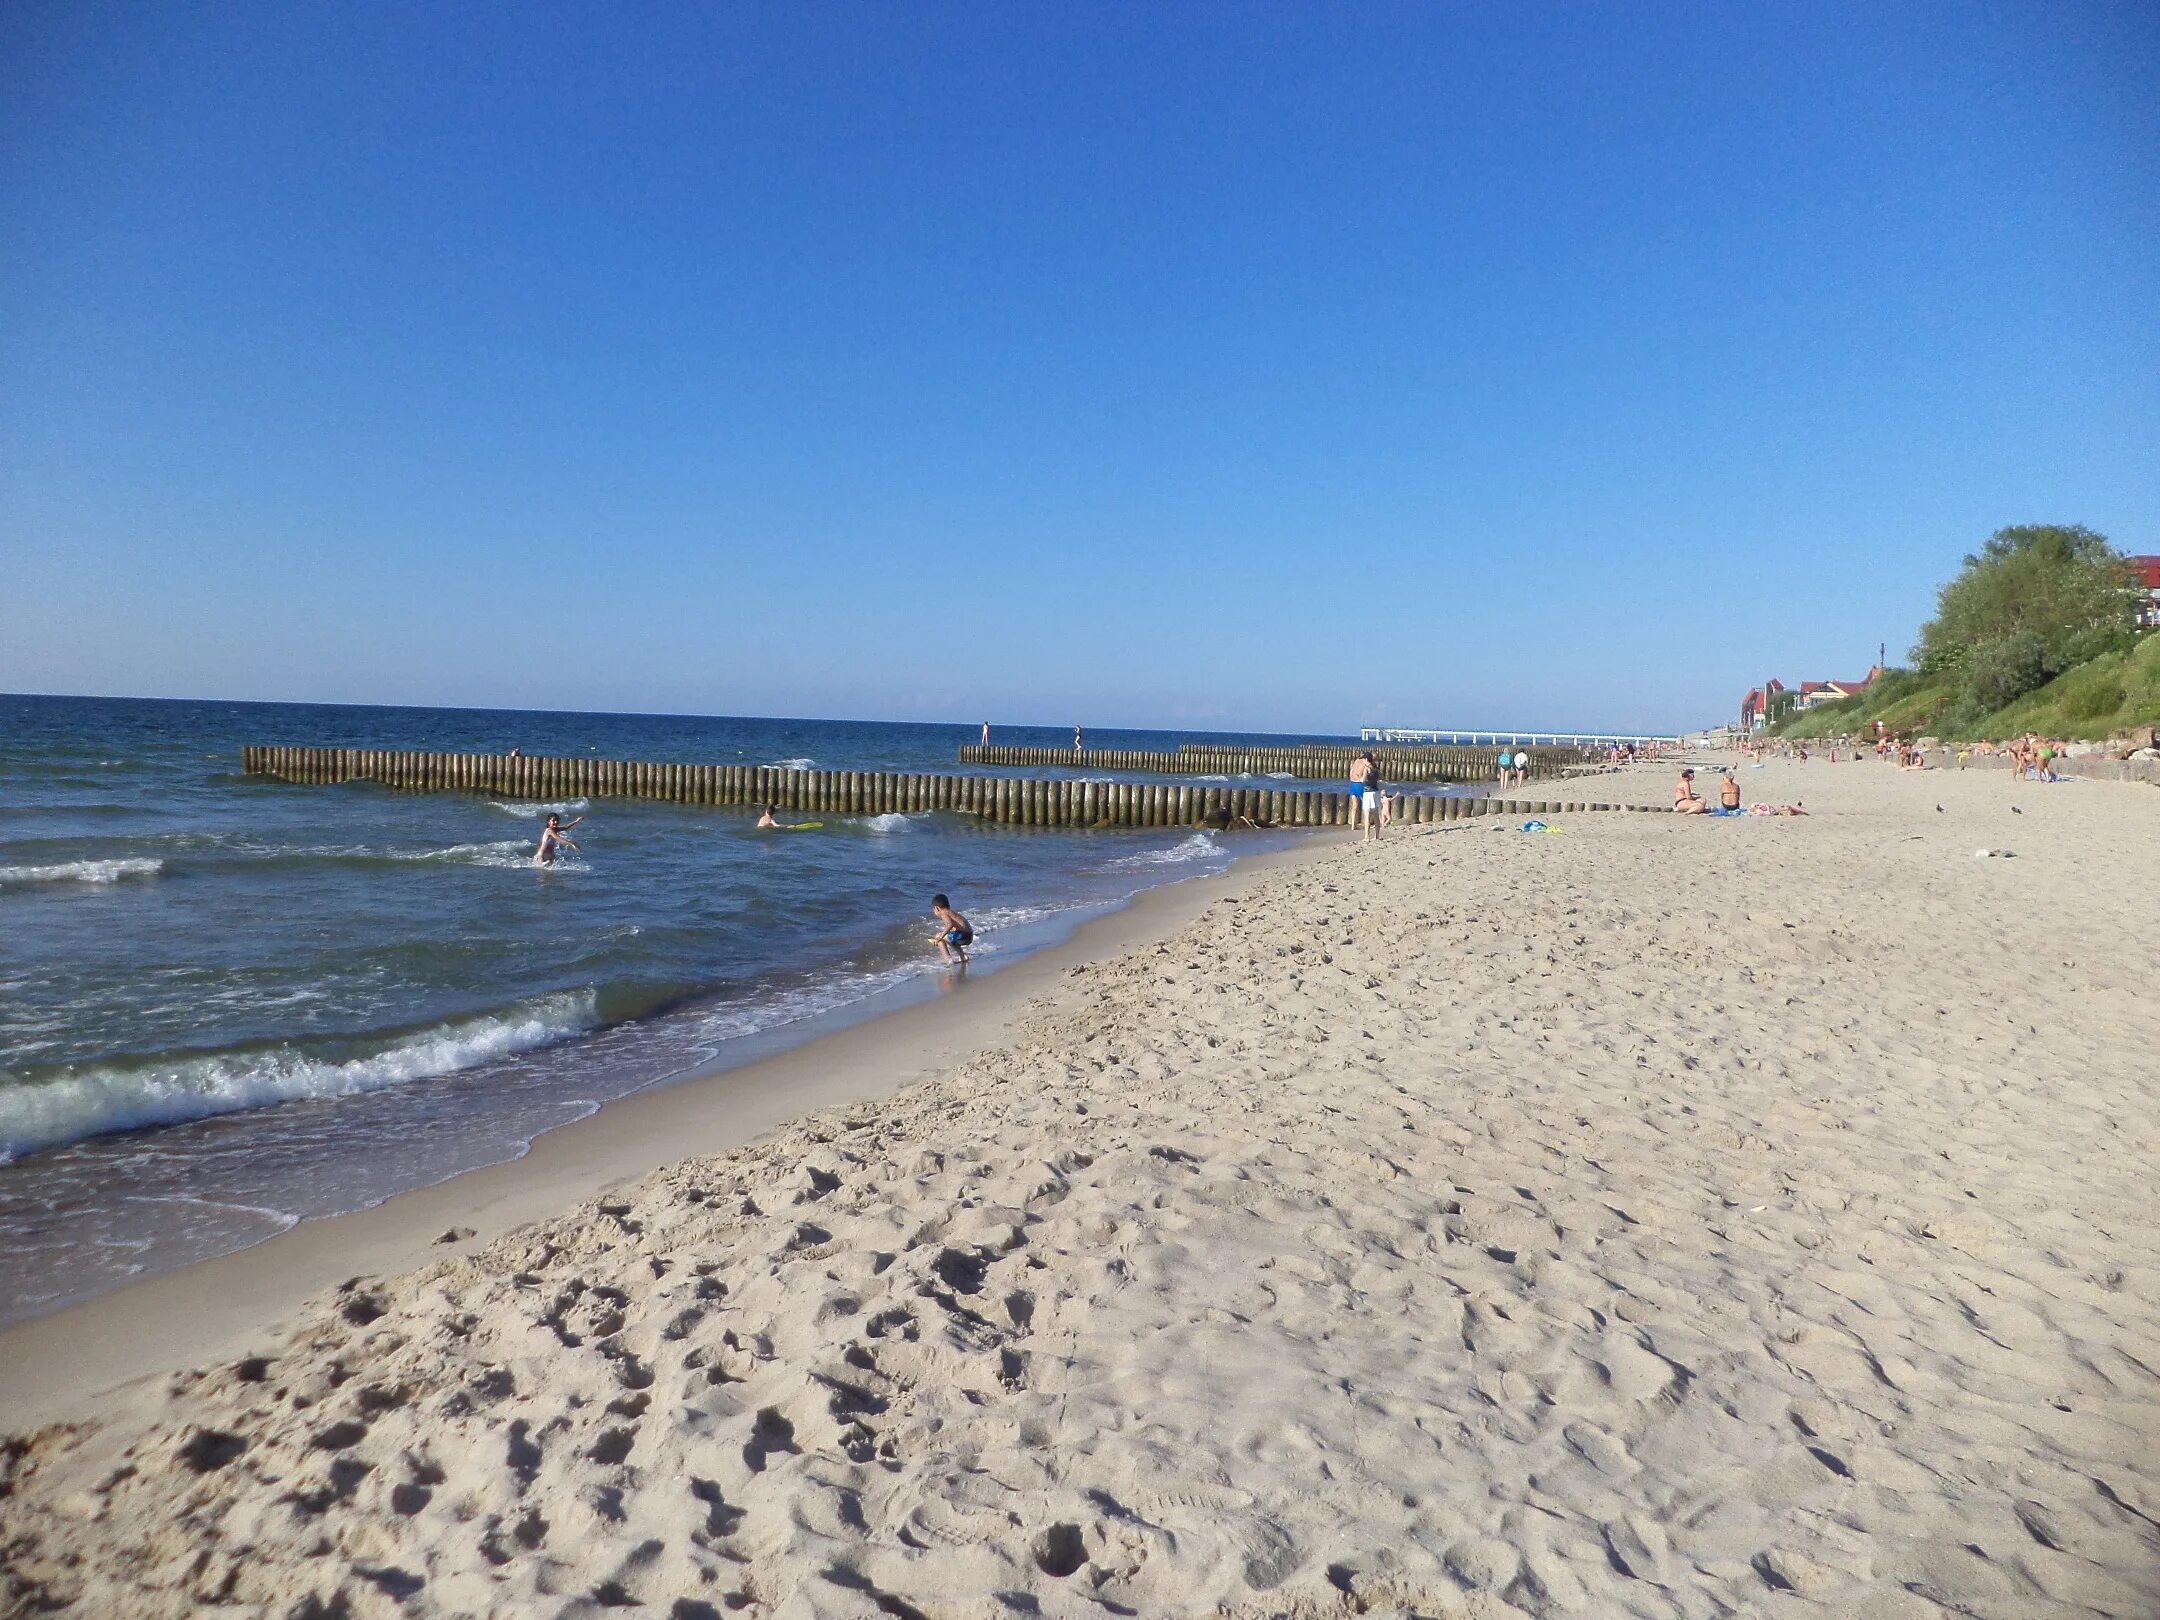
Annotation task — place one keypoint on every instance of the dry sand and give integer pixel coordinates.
(1668, 1217)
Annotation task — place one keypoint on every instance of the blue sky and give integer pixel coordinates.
(1286, 367)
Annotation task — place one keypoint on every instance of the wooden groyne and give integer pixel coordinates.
(1428, 763)
(1316, 764)
(1013, 800)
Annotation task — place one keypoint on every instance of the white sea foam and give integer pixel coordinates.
(891, 821)
(80, 872)
(92, 1099)
(1199, 847)
(504, 852)
(533, 810)
(986, 918)
(791, 764)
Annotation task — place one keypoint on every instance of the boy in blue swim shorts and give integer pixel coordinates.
(954, 933)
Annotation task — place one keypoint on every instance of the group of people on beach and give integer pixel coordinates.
(1371, 804)
(2032, 757)
(1688, 802)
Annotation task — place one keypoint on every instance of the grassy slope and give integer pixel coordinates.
(2106, 694)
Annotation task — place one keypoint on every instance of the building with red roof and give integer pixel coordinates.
(2146, 573)
(1756, 704)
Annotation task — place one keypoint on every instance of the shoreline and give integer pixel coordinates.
(53, 1365)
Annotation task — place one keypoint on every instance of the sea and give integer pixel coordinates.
(228, 1004)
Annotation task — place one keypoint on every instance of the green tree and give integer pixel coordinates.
(2063, 586)
(2001, 671)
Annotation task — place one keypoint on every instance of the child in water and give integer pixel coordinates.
(954, 934)
(552, 839)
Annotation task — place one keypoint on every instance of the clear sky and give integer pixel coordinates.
(1231, 364)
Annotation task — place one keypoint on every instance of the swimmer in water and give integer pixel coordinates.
(766, 820)
(552, 839)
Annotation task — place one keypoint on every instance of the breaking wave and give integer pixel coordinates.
(80, 872)
(72, 1101)
(1199, 847)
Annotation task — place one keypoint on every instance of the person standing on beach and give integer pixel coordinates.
(986, 734)
(552, 840)
(1077, 747)
(1362, 770)
(1375, 801)
(1522, 767)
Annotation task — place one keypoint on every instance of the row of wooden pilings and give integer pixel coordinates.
(1415, 763)
(1320, 765)
(1069, 803)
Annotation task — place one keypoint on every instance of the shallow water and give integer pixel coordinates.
(228, 1004)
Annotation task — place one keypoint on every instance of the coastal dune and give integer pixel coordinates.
(1663, 1217)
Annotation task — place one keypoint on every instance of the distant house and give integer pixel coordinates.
(1811, 694)
(1755, 704)
(1831, 690)
(2146, 571)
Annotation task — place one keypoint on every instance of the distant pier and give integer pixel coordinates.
(1068, 802)
(1475, 736)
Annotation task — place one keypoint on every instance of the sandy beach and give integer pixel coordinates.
(1663, 1217)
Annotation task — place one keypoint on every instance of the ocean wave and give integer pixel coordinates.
(504, 852)
(1199, 847)
(892, 821)
(533, 810)
(986, 918)
(79, 1100)
(791, 764)
(80, 872)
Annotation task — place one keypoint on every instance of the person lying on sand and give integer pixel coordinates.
(955, 934)
(552, 839)
(1685, 800)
